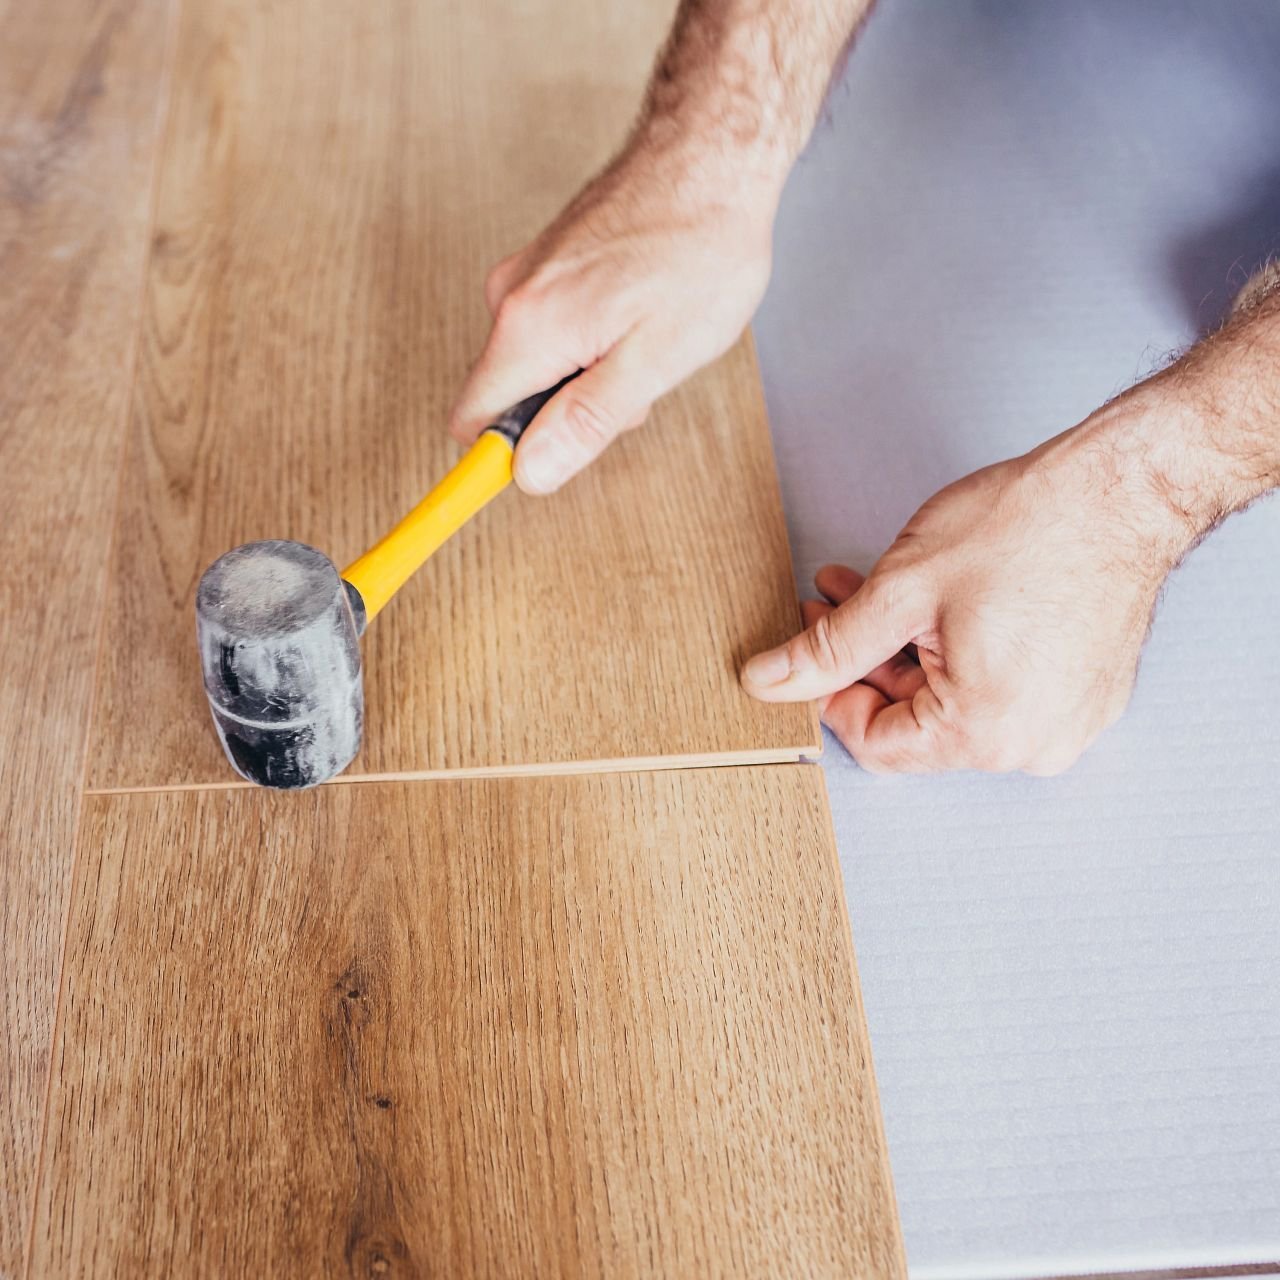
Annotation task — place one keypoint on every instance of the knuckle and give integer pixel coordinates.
(897, 590)
(823, 644)
(493, 290)
(881, 588)
(508, 315)
(517, 311)
(591, 421)
(896, 576)
(939, 721)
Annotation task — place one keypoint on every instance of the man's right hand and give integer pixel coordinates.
(653, 271)
(657, 266)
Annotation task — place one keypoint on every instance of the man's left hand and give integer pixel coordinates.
(1001, 630)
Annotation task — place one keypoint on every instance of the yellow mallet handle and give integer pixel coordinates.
(481, 474)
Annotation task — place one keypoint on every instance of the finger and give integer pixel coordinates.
(580, 422)
(518, 360)
(842, 646)
(501, 280)
(838, 582)
(885, 736)
(897, 679)
(810, 612)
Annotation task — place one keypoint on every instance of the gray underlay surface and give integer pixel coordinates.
(1010, 213)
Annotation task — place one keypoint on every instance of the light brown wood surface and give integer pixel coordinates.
(80, 88)
(579, 1026)
(336, 179)
(596, 1024)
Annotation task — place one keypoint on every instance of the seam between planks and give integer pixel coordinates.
(657, 766)
(559, 769)
(160, 134)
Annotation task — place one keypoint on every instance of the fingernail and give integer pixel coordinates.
(767, 669)
(538, 466)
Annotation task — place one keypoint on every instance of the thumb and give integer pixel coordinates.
(841, 647)
(583, 419)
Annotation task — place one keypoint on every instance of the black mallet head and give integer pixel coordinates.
(279, 635)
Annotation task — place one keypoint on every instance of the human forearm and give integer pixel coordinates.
(739, 83)
(1196, 442)
(1223, 398)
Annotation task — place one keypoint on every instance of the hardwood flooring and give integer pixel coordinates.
(81, 87)
(599, 1019)
(562, 1026)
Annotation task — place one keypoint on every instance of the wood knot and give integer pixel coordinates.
(353, 1006)
(379, 1254)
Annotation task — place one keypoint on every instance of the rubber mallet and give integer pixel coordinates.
(279, 628)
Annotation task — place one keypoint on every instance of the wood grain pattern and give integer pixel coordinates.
(80, 85)
(335, 182)
(564, 1026)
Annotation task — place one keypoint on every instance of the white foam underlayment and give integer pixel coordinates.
(1073, 985)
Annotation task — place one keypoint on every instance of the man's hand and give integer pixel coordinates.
(649, 274)
(1025, 596)
(657, 266)
(1002, 629)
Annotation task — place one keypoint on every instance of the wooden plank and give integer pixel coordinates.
(336, 180)
(80, 87)
(559, 1026)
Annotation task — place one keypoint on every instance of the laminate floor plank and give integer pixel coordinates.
(336, 180)
(81, 88)
(592, 1025)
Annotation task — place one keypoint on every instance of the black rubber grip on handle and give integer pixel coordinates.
(512, 423)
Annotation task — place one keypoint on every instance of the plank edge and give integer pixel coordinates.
(804, 754)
